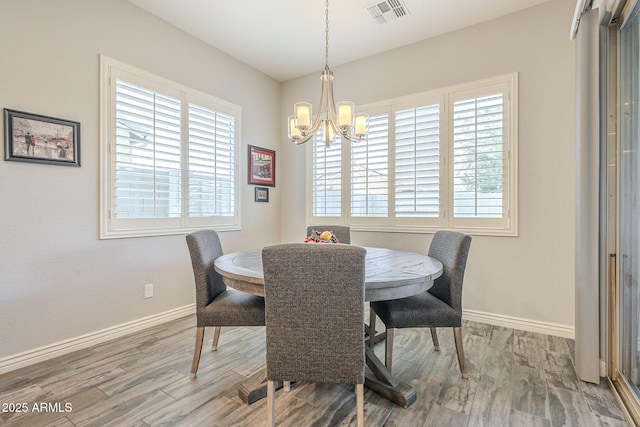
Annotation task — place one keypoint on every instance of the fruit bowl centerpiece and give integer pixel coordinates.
(321, 237)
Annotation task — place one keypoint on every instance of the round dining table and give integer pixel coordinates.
(389, 274)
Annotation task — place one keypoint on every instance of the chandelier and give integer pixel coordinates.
(334, 119)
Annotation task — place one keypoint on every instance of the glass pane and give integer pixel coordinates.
(629, 208)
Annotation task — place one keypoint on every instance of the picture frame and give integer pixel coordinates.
(262, 194)
(262, 166)
(35, 138)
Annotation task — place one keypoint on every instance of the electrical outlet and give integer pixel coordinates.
(148, 290)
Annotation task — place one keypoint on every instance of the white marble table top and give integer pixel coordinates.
(389, 274)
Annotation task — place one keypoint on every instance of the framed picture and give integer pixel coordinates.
(262, 166)
(40, 139)
(262, 194)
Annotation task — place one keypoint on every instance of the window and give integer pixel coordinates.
(168, 156)
(440, 159)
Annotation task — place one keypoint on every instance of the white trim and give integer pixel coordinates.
(47, 352)
(564, 331)
(507, 84)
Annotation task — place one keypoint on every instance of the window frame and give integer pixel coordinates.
(112, 70)
(505, 226)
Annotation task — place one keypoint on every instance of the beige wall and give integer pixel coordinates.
(57, 279)
(526, 278)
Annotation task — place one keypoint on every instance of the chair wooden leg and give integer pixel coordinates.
(388, 350)
(372, 327)
(434, 337)
(360, 404)
(287, 386)
(216, 337)
(197, 351)
(271, 403)
(457, 337)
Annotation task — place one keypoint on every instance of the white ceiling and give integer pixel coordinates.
(286, 38)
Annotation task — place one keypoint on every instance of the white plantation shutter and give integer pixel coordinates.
(478, 149)
(147, 180)
(326, 178)
(211, 163)
(448, 157)
(370, 171)
(417, 167)
(168, 156)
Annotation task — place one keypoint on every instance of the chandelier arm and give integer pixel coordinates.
(352, 138)
(336, 129)
(303, 140)
(318, 120)
(331, 108)
(314, 128)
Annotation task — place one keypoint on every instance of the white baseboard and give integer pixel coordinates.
(41, 354)
(47, 352)
(521, 324)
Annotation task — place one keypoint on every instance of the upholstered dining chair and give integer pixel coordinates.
(215, 304)
(314, 297)
(440, 306)
(342, 232)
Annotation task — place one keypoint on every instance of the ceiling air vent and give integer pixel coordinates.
(386, 11)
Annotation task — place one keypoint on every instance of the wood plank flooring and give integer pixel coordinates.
(516, 378)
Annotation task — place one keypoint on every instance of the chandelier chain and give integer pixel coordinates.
(326, 44)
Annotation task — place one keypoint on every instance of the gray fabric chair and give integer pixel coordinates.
(342, 232)
(440, 306)
(215, 304)
(314, 297)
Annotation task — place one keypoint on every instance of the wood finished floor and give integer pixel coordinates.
(516, 378)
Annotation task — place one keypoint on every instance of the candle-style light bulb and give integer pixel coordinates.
(303, 115)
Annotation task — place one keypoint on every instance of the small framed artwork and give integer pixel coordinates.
(262, 166)
(40, 139)
(262, 194)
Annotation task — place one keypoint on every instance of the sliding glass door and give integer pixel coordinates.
(628, 361)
